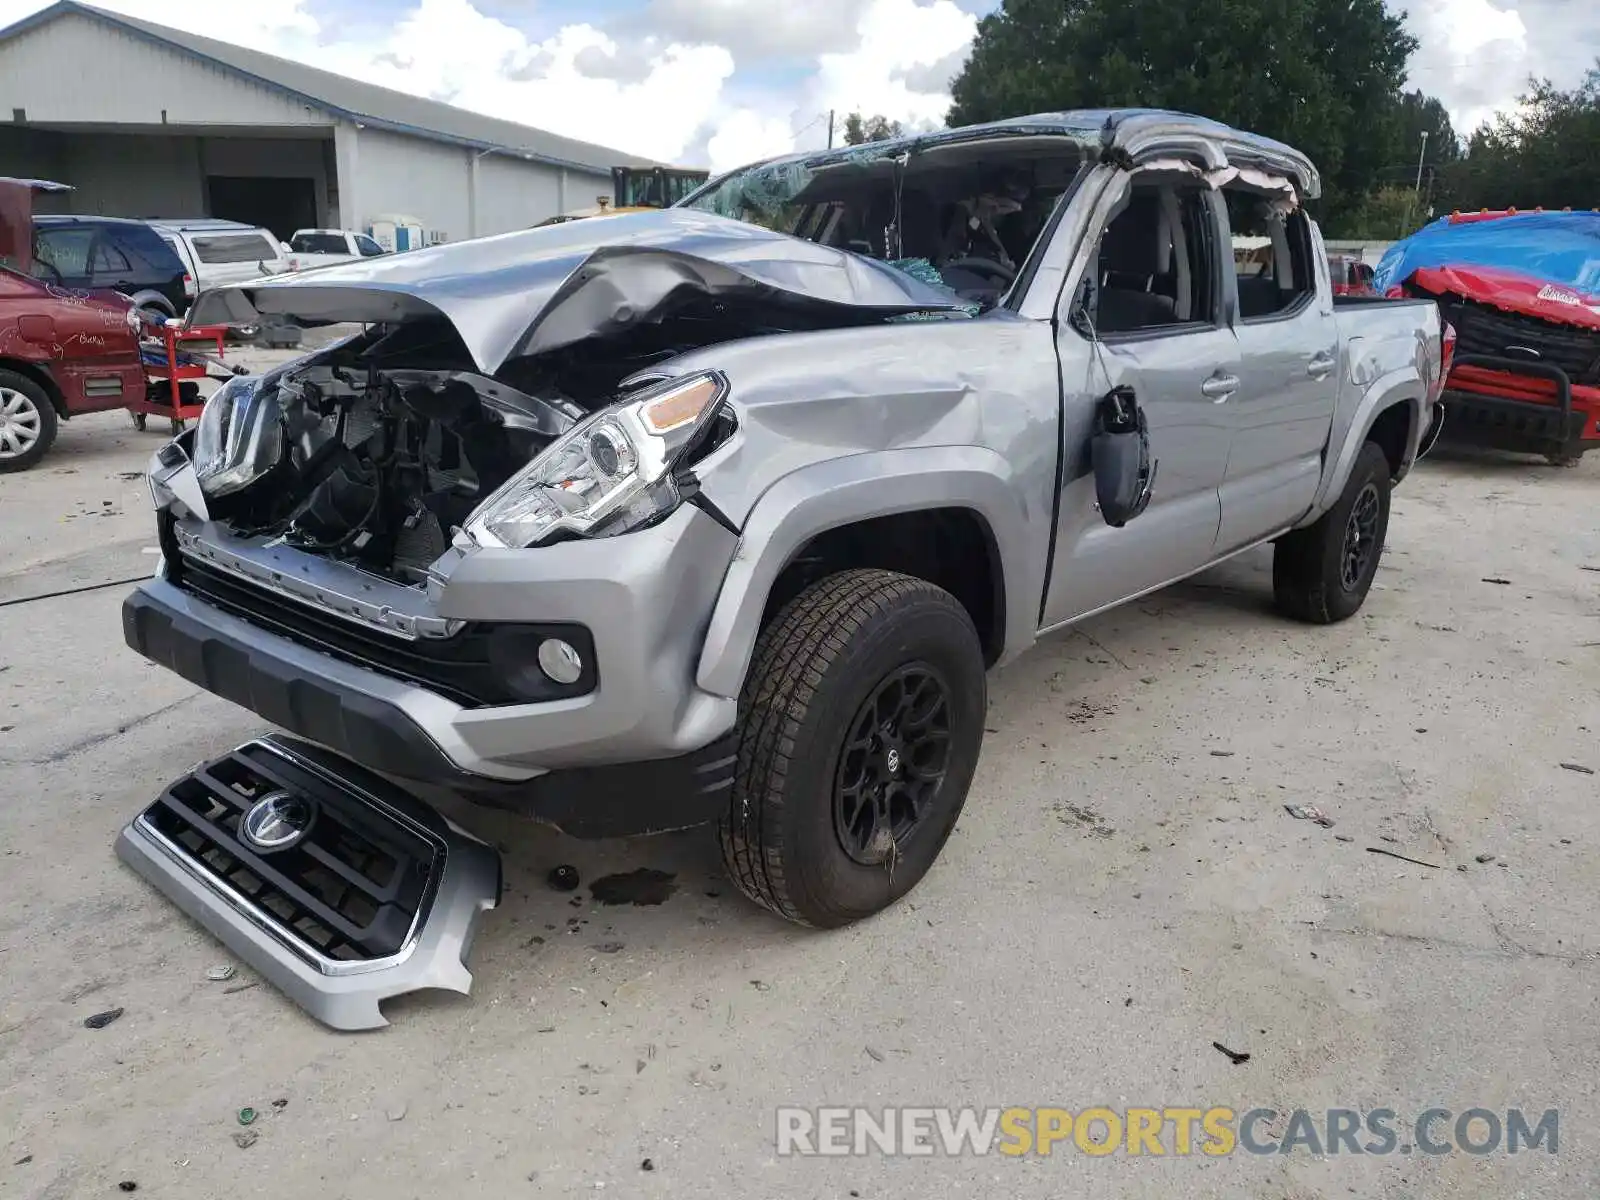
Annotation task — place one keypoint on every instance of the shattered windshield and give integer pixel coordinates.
(762, 195)
(961, 216)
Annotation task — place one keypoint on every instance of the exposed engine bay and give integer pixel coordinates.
(391, 440)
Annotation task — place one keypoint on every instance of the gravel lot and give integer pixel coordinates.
(1124, 889)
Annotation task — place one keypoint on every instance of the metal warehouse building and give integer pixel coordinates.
(146, 121)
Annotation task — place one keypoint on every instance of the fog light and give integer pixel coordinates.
(560, 661)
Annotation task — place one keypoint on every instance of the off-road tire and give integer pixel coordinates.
(815, 666)
(47, 421)
(1308, 581)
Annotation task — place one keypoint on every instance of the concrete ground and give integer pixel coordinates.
(1124, 889)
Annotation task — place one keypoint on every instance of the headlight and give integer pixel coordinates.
(135, 321)
(611, 473)
(239, 437)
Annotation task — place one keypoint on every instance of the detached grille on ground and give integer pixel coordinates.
(350, 888)
(339, 887)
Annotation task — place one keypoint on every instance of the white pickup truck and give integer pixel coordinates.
(323, 247)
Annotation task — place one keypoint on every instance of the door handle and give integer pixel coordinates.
(1220, 387)
(1320, 366)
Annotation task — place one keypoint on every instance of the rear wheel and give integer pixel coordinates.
(27, 422)
(1322, 573)
(860, 726)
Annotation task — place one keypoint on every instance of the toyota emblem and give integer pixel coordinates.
(276, 821)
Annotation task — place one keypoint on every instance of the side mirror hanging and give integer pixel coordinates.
(1124, 475)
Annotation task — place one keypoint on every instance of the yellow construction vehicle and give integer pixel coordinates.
(637, 189)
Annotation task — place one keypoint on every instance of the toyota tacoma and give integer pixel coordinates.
(719, 515)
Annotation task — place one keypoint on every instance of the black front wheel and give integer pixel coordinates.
(1322, 573)
(860, 726)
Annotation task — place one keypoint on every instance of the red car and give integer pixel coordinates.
(62, 352)
(1350, 276)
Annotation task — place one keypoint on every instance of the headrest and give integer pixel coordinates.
(1138, 241)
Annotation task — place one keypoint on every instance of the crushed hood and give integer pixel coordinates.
(539, 289)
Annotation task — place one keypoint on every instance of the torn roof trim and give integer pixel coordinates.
(1279, 190)
(1125, 137)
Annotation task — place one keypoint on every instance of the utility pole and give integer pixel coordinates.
(830, 129)
(1416, 190)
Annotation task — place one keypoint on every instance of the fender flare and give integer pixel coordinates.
(1396, 387)
(843, 491)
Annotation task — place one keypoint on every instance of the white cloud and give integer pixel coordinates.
(758, 30)
(745, 136)
(1473, 56)
(450, 50)
(895, 37)
(248, 24)
(905, 54)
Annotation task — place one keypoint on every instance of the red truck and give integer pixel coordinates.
(1522, 291)
(63, 352)
(1350, 276)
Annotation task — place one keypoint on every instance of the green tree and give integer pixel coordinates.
(1421, 114)
(1322, 75)
(859, 130)
(1386, 214)
(1545, 154)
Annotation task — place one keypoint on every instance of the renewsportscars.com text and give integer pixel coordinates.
(1169, 1131)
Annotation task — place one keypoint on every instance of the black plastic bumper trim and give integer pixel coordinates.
(620, 800)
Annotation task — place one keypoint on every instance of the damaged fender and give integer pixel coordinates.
(845, 491)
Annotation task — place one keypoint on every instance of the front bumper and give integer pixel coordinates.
(1521, 406)
(645, 751)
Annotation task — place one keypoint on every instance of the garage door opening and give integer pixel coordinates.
(281, 205)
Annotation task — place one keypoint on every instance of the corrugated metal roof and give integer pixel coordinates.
(350, 98)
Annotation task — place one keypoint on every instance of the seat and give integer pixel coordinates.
(1258, 296)
(1134, 252)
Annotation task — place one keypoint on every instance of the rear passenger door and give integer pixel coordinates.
(1288, 375)
(111, 268)
(1154, 295)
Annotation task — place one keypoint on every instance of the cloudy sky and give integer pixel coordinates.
(721, 82)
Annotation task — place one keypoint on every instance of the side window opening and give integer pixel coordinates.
(64, 252)
(1280, 276)
(108, 259)
(233, 248)
(1154, 266)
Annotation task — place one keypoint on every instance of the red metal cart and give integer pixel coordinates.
(172, 374)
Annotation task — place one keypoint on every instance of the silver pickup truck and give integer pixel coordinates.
(718, 515)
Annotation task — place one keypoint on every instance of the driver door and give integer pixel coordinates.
(1150, 317)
